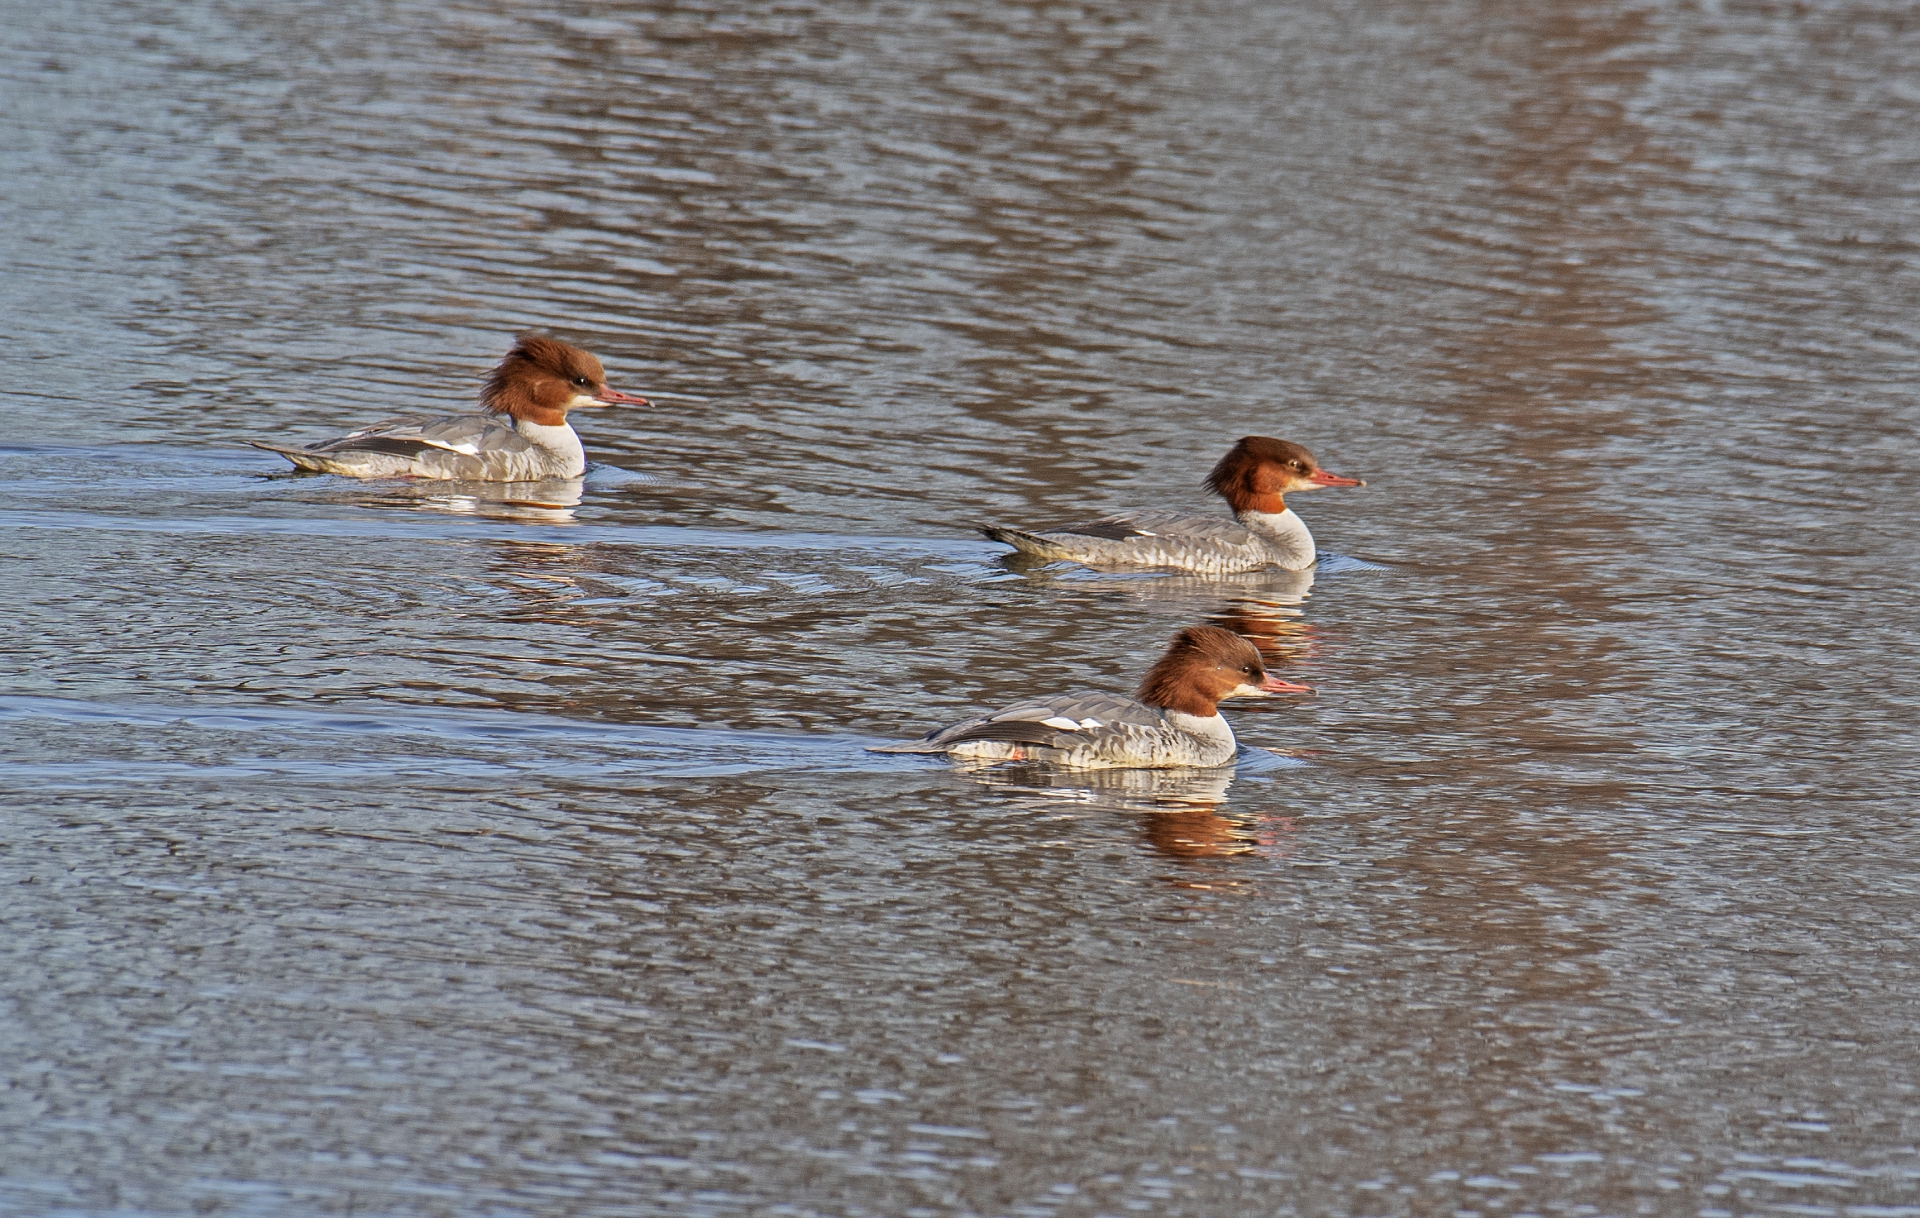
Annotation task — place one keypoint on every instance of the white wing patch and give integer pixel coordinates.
(1091, 723)
(1062, 722)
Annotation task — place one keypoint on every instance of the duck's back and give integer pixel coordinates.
(1082, 730)
(1209, 544)
(480, 447)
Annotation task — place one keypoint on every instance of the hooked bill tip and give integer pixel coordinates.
(1322, 477)
(1274, 685)
(613, 397)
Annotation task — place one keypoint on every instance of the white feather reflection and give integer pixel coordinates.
(550, 502)
(1262, 606)
(1181, 812)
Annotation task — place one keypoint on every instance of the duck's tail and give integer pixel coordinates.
(1026, 543)
(323, 463)
(306, 458)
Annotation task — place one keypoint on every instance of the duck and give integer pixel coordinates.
(521, 433)
(1172, 721)
(1254, 478)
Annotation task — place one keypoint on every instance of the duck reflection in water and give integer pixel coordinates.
(550, 502)
(1267, 615)
(1264, 607)
(1181, 812)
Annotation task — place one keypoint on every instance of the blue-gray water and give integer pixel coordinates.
(420, 851)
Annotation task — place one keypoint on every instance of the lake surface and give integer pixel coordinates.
(431, 850)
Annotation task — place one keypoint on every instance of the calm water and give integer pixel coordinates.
(386, 850)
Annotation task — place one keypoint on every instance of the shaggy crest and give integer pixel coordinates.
(1201, 664)
(1255, 471)
(539, 377)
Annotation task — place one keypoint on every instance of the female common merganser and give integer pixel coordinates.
(1175, 721)
(1252, 477)
(523, 437)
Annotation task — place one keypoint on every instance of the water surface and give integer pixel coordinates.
(464, 850)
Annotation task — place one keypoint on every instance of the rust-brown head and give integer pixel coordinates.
(542, 378)
(1258, 470)
(1205, 665)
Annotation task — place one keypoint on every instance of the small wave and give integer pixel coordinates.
(549, 743)
(1346, 564)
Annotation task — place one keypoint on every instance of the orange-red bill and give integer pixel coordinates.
(1322, 478)
(613, 397)
(1274, 685)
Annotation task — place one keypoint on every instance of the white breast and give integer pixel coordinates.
(1214, 733)
(564, 455)
(1286, 533)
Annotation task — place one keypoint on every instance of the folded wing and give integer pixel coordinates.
(470, 435)
(1145, 539)
(1065, 722)
(1130, 526)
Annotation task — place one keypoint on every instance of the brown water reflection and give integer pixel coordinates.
(1550, 382)
(1181, 814)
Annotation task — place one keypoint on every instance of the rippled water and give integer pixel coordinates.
(455, 850)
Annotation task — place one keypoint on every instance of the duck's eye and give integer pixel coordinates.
(582, 381)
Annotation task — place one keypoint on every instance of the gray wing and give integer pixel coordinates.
(472, 435)
(1128, 525)
(1146, 539)
(1027, 723)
